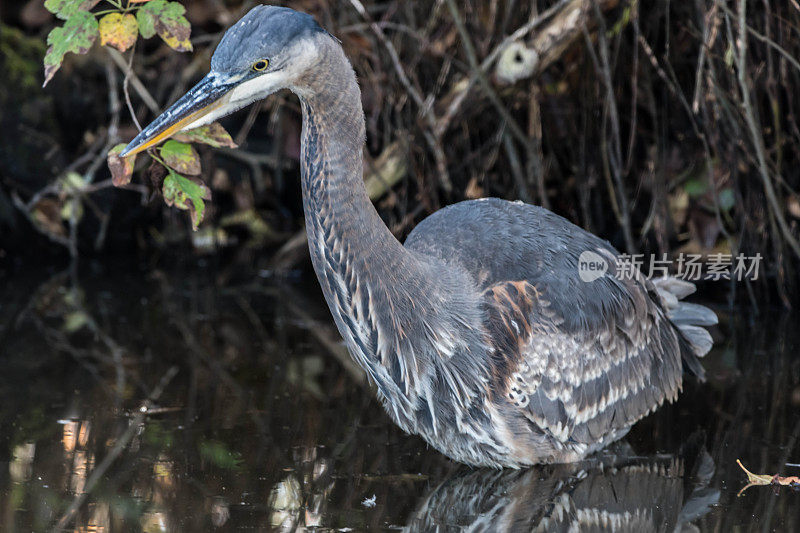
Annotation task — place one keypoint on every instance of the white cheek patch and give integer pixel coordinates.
(303, 55)
(258, 88)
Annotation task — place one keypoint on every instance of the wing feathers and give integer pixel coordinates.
(580, 387)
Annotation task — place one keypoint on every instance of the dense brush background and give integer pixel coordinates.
(663, 126)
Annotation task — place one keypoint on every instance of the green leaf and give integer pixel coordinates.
(118, 30)
(213, 134)
(75, 321)
(147, 22)
(726, 199)
(181, 157)
(72, 208)
(219, 454)
(121, 167)
(184, 193)
(696, 187)
(167, 20)
(77, 35)
(72, 182)
(64, 9)
(728, 57)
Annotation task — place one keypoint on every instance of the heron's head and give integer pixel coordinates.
(267, 50)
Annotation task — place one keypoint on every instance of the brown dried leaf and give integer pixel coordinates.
(47, 215)
(766, 479)
(155, 174)
(121, 167)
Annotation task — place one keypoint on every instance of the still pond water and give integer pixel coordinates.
(257, 422)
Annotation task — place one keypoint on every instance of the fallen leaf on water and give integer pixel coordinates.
(213, 135)
(118, 30)
(121, 167)
(766, 479)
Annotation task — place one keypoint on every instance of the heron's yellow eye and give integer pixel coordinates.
(260, 65)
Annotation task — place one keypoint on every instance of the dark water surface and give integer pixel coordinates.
(258, 423)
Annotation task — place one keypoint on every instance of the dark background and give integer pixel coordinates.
(633, 110)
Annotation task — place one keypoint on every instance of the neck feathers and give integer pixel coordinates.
(394, 308)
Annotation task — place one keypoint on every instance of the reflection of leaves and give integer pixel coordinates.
(121, 167)
(156, 435)
(219, 454)
(64, 9)
(181, 157)
(118, 30)
(213, 134)
(166, 19)
(306, 372)
(766, 479)
(184, 193)
(77, 36)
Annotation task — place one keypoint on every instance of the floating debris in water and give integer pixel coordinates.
(369, 502)
(766, 479)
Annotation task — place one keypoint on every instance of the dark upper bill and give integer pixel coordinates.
(201, 99)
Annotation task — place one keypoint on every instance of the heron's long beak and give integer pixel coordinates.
(209, 94)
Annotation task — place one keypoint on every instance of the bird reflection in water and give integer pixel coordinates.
(659, 493)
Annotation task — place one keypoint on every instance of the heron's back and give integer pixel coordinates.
(574, 362)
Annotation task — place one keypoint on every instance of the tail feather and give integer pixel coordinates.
(692, 315)
(699, 339)
(688, 318)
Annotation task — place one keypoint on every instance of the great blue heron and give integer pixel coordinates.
(479, 333)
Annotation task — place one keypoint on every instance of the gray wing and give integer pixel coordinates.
(496, 241)
(581, 360)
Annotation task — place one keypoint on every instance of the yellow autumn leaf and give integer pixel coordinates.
(118, 30)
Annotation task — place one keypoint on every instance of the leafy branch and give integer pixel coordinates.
(116, 27)
(181, 187)
(119, 27)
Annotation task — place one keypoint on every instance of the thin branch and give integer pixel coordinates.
(137, 84)
(603, 68)
(462, 88)
(431, 137)
(752, 124)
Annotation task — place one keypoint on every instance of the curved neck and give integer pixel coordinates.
(403, 315)
(335, 199)
(368, 278)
